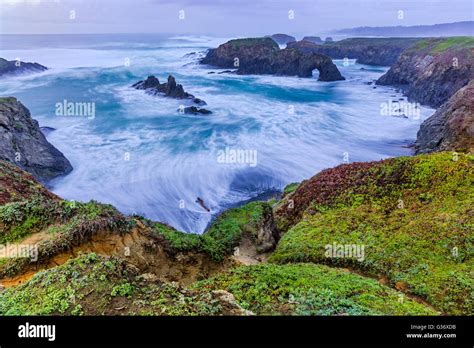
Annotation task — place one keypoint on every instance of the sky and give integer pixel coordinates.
(221, 17)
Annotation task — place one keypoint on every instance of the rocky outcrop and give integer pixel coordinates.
(23, 143)
(170, 89)
(193, 110)
(370, 51)
(282, 39)
(173, 90)
(452, 125)
(313, 39)
(14, 67)
(263, 56)
(433, 70)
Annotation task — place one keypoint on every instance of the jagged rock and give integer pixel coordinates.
(195, 110)
(282, 39)
(23, 143)
(170, 89)
(19, 67)
(451, 127)
(263, 56)
(432, 70)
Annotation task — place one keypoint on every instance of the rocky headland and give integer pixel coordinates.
(14, 67)
(439, 73)
(263, 56)
(370, 51)
(23, 143)
(433, 70)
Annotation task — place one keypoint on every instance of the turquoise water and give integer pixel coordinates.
(140, 154)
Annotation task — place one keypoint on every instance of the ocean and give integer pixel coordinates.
(142, 155)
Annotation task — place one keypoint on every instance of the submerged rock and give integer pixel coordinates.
(23, 143)
(47, 130)
(195, 110)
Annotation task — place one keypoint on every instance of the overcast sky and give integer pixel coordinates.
(221, 17)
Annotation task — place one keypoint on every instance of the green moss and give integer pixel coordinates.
(178, 240)
(227, 230)
(290, 188)
(7, 100)
(224, 234)
(248, 42)
(454, 42)
(413, 215)
(308, 289)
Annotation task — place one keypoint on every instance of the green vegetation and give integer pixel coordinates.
(250, 42)
(6, 99)
(224, 234)
(19, 219)
(440, 45)
(94, 285)
(454, 42)
(290, 188)
(414, 217)
(308, 289)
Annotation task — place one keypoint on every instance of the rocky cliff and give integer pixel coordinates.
(23, 143)
(263, 56)
(452, 125)
(433, 70)
(370, 51)
(18, 67)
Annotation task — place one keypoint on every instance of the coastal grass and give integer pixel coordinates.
(309, 289)
(440, 45)
(414, 217)
(96, 285)
(224, 234)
